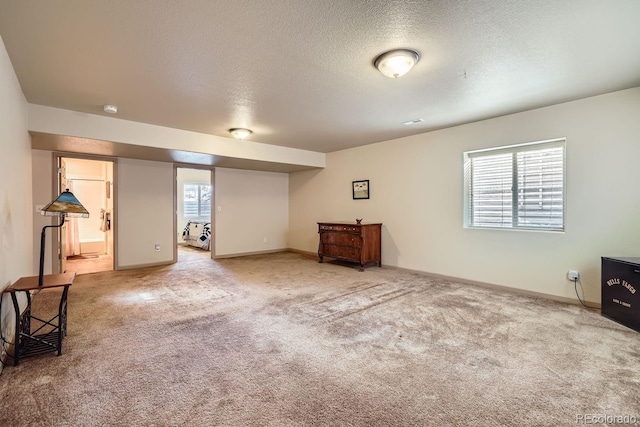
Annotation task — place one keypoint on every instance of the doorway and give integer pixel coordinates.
(87, 244)
(194, 215)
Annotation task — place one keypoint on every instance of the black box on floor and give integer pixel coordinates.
(621, 291)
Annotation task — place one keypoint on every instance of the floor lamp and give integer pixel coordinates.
(66, 205)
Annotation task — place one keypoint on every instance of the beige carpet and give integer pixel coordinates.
(283, 340)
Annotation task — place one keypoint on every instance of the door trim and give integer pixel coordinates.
(55, 191)
(211, 169)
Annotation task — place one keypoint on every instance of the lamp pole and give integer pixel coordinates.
(43, 237)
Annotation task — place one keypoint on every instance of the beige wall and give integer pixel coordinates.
(15, 189)
(42, 167)
(142, 188)
(416, 191)
(254, 206)
(145, 212)
(250, 206)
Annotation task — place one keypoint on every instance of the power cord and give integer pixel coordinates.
(575, 286)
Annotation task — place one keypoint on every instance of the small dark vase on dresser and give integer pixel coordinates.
(357, 242)
(621, 291)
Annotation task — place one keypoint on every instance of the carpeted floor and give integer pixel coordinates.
(282, 340)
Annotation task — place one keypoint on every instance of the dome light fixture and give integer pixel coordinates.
(396, 63)
(111, 109)
(240, 133)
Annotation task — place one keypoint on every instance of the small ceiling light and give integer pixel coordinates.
(412, 122)
(240, 133)
(111, 109)
(396, 63)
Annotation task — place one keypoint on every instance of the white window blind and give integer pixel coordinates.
(518, 186)
(196, 200)
(205, 200)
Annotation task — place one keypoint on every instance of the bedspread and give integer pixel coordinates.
(198, 233)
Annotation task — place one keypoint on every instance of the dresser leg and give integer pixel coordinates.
(320, 256)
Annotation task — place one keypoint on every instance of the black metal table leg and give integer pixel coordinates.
(62, 319)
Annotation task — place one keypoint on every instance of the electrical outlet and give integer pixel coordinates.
(265, 240)
(573, 275)
(157, 247)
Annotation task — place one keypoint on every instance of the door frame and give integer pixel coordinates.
(56, 252)
(211, 169)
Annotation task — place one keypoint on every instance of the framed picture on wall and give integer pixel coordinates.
(360, 189)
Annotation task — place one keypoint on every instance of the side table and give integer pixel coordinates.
(31, 343)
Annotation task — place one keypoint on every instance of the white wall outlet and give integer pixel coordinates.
(219, 208)
(265, 240)
(573, 275)
(157, 246)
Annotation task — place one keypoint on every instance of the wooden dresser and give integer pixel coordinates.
(350, 242)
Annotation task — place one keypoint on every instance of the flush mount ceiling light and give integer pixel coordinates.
(111, 109)
(396, 63)
(240, 133)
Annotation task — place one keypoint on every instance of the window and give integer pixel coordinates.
(519, 186)
(197, 200)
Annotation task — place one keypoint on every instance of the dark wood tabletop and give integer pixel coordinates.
(49, 281)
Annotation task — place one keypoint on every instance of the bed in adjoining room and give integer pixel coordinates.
(198, 233)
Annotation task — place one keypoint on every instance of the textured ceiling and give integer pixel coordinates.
(299, 72)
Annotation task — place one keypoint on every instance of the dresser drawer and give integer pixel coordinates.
(345, 239)
(341, 228)
(344, 252)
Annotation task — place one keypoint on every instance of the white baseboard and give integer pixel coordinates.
(241, 254)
